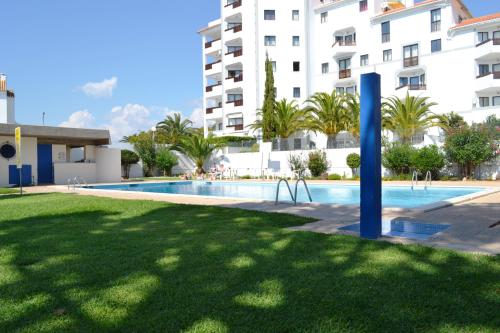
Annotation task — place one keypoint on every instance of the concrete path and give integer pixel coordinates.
(470, 221)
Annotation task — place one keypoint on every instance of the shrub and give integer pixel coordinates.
(318, 164)
(399, 158)
(353, 161)
(165, 161)
(397, 177)
(128, 158)
(429, 158)
(334, 176)
(297, 164)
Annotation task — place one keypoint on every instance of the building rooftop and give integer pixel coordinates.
(75, 137)
(476, 20)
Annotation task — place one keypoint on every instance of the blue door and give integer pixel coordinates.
(45, 166)
(14, 175)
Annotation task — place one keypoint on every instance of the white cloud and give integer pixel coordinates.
(197, 117)
(100, 89)
(79, 119)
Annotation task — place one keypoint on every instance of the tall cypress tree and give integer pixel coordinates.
(268, 131)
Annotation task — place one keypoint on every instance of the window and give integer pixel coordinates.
(403, 81)
(273, 64)
(414, 81)
(297, 143)
(484, 70)
(340, 90)
(234, 97)
(295, 15)
(495, 100)
(363, 60)
(235, 121)
(482, 37)
(436, 45)
(484, 102)
(387, 55)
(296, 41)
(435, 20)
(296, 92)
(325, 68)
(296, 66)
(495, 68)
(363, 5)
(410, 55)
(324, 17)
(386, 32)
(219, 126)
(496, 36)
(270, 40)
(344, 68)
(269, 15)
(350, 90)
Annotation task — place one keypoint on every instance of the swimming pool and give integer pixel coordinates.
(392, 196)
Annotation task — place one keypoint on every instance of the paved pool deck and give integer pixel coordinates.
(470, 221)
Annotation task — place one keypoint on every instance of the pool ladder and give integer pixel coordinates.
(292, 196)
(414, 180)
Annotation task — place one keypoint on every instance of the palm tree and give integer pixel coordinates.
(352, 114)
(199, 149)
(173, 129)
(409, 116)
(328, 112)
(287, 119)
(451, 121)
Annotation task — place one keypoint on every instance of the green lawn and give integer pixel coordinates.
(84, 264)
(4, 190)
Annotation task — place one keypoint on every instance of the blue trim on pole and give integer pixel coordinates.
(371, 159)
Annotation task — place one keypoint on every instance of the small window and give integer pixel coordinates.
(484, 102)
(297, 143)
(496, 100)
(340, 90)
(484, 70)
(295, 15)
(270, 40)
(296, 66)
(269, 15)
(235, 121)
(324, 17)
(436, 45)
(387, 55)
(363, 60)
(296, 41)
(325, 68)
(273, 64)
(363, 5)
(435, 20)
(350, 90)
(482, 37)
(296, 92)
(386, 32)
(403, 81)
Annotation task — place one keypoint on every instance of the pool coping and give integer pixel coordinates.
(386, 210)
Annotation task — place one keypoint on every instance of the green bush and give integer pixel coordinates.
(297, 164)
(429, 158)
(128, 158)
(318, 164)
(353, 161)
(165, 161)
(396, 178)
(399, 158)
(334, 176)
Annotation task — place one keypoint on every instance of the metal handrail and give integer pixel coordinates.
(414, 179)
(428, 179)
(307, 189)
(278, 190)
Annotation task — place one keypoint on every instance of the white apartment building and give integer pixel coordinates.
(433, 48)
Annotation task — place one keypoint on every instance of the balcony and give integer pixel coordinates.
(236, 53)
(410, 62)
(211, 43)
(210, 88)
(488, 83)
(488, 50)
(212, 109)
(236, 127)
(233, 4)
(211, 65)
(413, 87)
(345, 73)
(236, 28)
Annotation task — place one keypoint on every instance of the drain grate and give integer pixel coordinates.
(495, 225)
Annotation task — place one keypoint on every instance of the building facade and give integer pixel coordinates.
(53, 155)
(433, 48)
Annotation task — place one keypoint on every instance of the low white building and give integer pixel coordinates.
(52, 155)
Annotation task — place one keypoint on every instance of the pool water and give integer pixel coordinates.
(392, 196)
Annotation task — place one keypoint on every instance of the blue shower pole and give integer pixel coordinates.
(371, 160)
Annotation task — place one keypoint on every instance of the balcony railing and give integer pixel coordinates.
(345, 73)
(209, 44)
(410, 62)
(345, 43)
(211, 87)
(212, 109)
(210, 66)
(236, 28)
(236, 53)
(236, 78)
(413, 87)
(235, 4)
(236, 102)
(496, 75)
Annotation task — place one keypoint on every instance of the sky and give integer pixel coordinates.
(117, 64)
